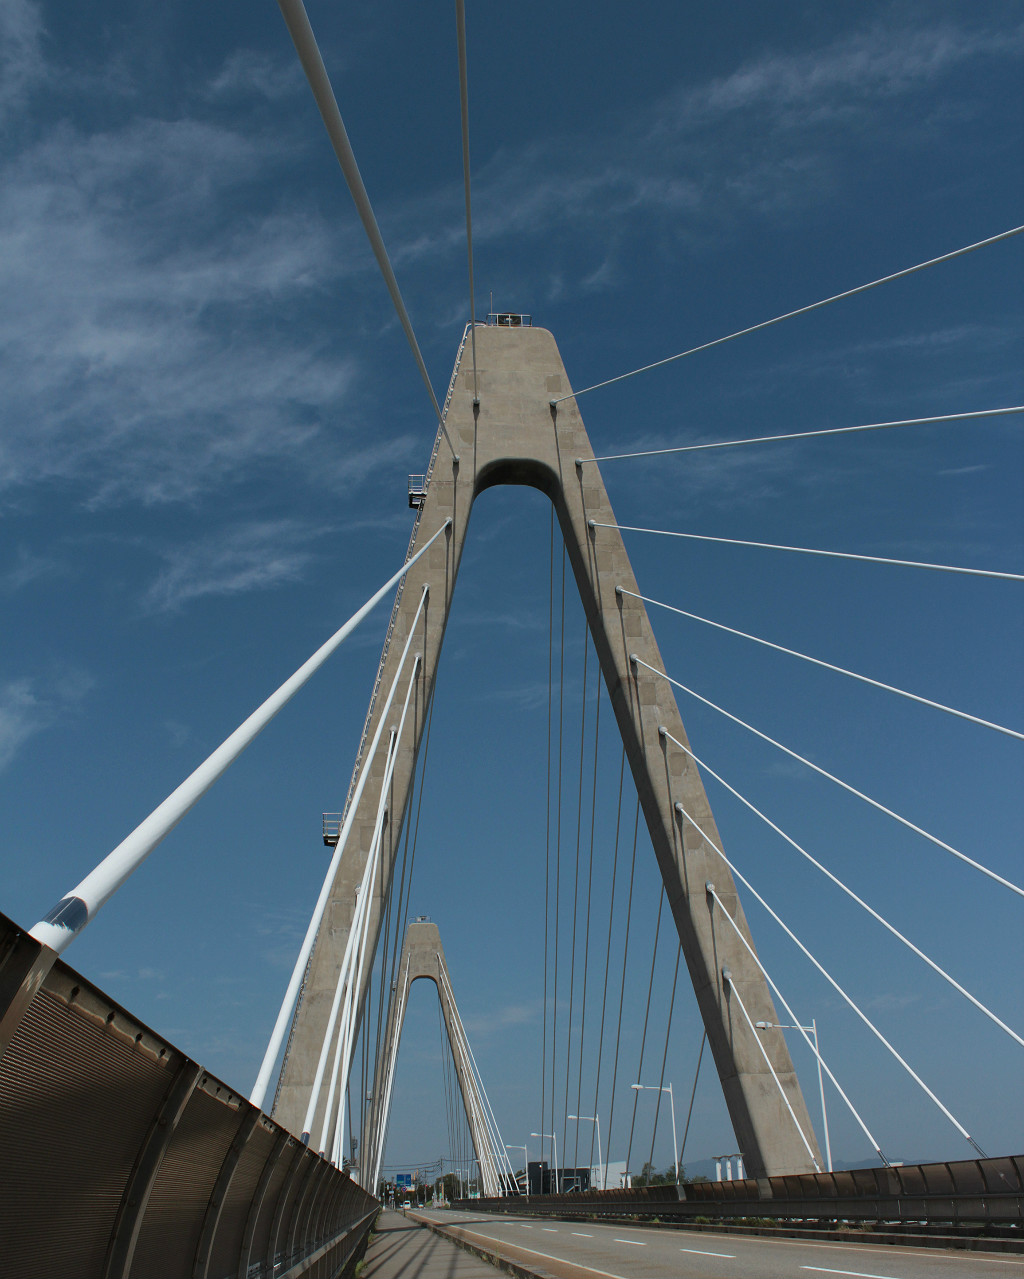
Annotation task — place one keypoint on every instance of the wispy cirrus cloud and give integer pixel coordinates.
(138, 360)
(28, 706)
(247, 71)
(258, 555)
(22, 65)
(27, 567)
(757, 141)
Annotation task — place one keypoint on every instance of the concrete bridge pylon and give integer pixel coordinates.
(423, 957)
(513, 435)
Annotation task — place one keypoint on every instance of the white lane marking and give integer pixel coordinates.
(701, 1253)
(858, 1274)
(549, 1230)
(525, 1226)
(878, 1251)
(580, 1235)
(636, 1242)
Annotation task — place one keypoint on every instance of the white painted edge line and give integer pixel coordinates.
(637, 1243)
(548, 1256)
(858, 1274)
(701, 1252)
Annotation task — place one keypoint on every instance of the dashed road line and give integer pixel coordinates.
(638, 1243)
(580, 1234)
(702, 1252)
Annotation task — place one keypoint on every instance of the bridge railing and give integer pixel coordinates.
(121, 1157)
(967, 1190)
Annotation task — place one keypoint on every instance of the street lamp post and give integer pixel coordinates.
(526, 1164)
(542, 1136)
(596, 1120)
(658, 1088)
(812, 1029)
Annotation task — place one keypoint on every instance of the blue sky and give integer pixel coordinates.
(209, 414)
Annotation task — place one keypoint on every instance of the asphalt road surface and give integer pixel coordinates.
(639, 1252)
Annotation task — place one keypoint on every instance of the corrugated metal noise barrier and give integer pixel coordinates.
(121, 1158)
(960, 1191)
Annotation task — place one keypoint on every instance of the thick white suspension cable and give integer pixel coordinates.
(802, 310)
(259, 1091)
(361, 920)
(831, 981)
(494, 1131)
(848, 891)
(918, 830)
(840, 670)
(360, 917)
(727, 978)
(811, 550)
(460, 22)
(343, 987)
(797, 1022)
(62, 924)
(379, 1135)
(804, 435)
(302, 35)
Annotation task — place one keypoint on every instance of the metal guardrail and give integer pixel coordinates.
(968, 1190)
(120, 1158)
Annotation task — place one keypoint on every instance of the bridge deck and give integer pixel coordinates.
(404, 1248)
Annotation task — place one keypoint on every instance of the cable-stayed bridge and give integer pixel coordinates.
(161, 1168)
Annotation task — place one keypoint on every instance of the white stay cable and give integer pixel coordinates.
(379, 1135)
(810, 550)
(344, 986)
(495, 1133)
(499, 1150)
(277, 1036)
(850, 893)
(727, 978)
(793, 1017)
(832, 982)
(918, 830)
(805, 435)
(360, 928)
(460, 22)
(302, 35)
(839, 670)
(801, 310)
(383, 1118)
(62, 924)
(355, 942)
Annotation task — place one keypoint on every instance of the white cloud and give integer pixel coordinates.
(144, 352)
(500, 1019)
(27, 568)
(26, 710)
(22, 66)
(255, 556)
(756, 142)
(247, 72)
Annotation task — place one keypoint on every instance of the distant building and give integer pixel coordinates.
(544, 1180)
